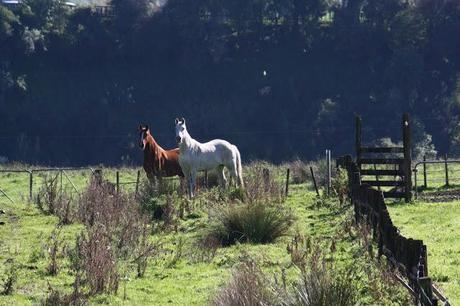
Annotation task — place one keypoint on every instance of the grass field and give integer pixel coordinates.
(438, 225)
(181, 274)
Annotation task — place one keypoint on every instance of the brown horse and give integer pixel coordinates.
(158, 162)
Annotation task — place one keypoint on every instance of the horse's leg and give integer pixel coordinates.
(188, 180)
(192, 183)
(223, 179)
(159, 181)
(232, 168)
(151, 178)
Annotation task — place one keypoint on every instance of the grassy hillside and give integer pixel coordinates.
(183, 271)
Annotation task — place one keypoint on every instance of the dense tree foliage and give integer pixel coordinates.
(278, 78)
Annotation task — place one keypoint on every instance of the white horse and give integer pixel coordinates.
(195, 156)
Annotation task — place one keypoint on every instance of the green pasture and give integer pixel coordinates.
(181, 274)
(438, 225)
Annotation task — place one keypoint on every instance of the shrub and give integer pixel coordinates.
(340, 185)
(57, 298)
(117, 213)
(145, 250)
(99, 262)
(10, 277)
(255, 223)
(54, 244)
(248, 286)
(320, 170)
(321, 283)
(65, 209)
(48, 194)
(261, 185)
(155, 200)
(116, 229)
(51, 200)
(300, 171)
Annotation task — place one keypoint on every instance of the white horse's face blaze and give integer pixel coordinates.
(143, 137)
(142, 140)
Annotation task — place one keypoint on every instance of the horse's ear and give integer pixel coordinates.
(176, 121)
(183, 120)
(146, 127)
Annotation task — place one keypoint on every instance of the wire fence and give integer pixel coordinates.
(432, 174)
(23, 185)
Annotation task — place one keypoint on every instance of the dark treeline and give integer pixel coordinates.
(278, 78)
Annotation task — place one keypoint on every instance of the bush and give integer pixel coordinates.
(54, 243)
(99, 262)
(261, 185)
(118, 213)
(10, 277)
(321, 283)
(340, 185)
(155, 200)
(248, 286)
(320, 170)
(300, 171)
(255, 223)
(48, 194)
(51, 200)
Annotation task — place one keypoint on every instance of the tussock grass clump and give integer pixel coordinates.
(254, 223)
(247, 286)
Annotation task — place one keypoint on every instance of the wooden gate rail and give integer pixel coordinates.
(407, 254)
(402, 163)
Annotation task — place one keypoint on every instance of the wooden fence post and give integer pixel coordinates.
(62, 188)
(424, 172)
(358, 141)
(314, 181)
(118, 181)
(266, 176)
(287, 181)
(328, 174)
(98, 176)
(31, 183)
(407, 158)
(426, 294)
(447, 170)
(137, 182)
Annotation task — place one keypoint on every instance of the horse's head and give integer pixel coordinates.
(144, 132)
(181, 130)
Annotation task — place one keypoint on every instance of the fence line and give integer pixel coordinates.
(447, 179)
(407, 254)
(63, 172)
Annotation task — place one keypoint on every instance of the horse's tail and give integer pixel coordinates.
(239, 168)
